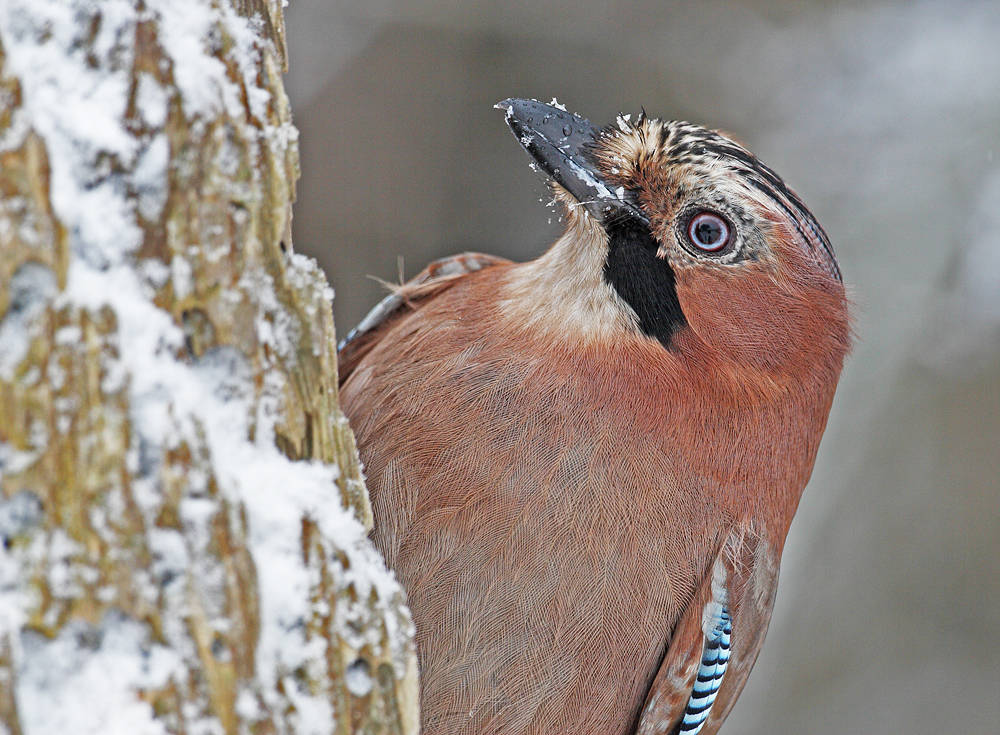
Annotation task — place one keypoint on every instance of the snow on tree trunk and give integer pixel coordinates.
(182, 512)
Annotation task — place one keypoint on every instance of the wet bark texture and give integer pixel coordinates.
(216, 256)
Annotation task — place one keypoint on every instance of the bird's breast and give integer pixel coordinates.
(537, 512)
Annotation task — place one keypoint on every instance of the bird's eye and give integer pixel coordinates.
(709, 231)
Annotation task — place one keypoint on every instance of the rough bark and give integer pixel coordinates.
(183, 514)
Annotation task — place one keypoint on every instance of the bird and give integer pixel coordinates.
(583, 467)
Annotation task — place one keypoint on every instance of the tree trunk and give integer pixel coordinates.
(183, 515)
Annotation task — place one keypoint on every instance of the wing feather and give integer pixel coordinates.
(695, 689)
(436, 278)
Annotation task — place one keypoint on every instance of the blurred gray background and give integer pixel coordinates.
(885, 117)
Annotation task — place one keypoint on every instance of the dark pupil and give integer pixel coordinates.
(707, 233)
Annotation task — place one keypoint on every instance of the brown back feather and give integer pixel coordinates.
(436, 278)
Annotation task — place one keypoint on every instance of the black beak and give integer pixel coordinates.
(557, 141)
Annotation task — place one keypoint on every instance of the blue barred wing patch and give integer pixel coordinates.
(714, 660)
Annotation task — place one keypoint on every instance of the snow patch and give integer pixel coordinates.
(32, 287)
(151, 100)
(83, 679)
(150, 177)
(358, 678)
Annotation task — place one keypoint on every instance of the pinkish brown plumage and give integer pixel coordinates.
(583, 468)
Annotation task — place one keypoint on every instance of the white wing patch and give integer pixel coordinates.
(718, 627)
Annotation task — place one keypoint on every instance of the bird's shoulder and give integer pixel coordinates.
(437, 278)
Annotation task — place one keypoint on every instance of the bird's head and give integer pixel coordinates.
(700, 245)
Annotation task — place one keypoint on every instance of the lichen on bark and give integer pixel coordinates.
(183, 510)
